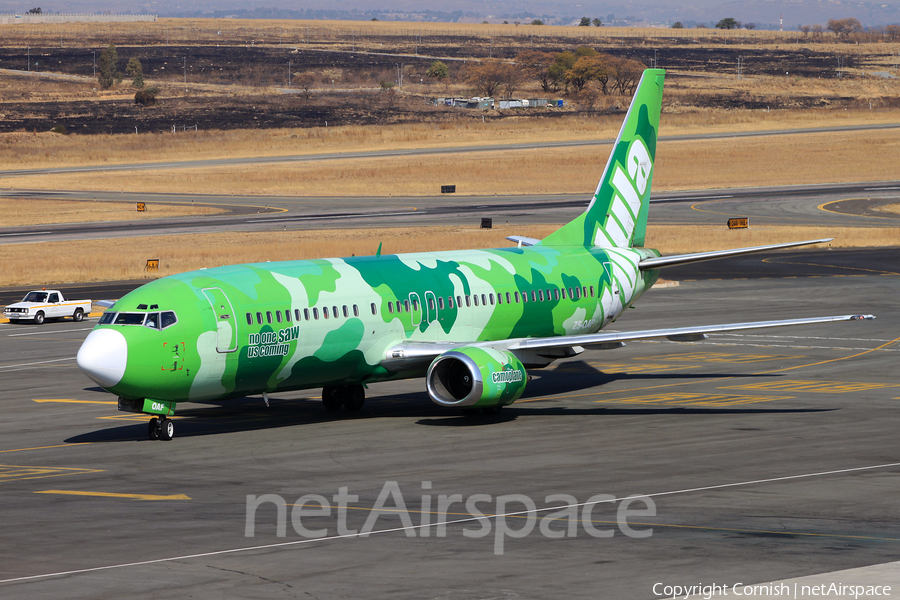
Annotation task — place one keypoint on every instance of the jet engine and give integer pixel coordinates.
(475, 377)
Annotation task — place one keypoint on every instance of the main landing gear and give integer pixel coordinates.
(161, 429)
(351, 397)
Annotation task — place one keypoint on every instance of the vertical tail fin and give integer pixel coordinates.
(617, 216)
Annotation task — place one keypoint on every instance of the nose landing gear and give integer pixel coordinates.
(161, 429)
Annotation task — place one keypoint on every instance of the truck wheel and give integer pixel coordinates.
(39, 318)
(78, 316)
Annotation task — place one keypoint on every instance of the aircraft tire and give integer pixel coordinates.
(166, 429)
(153, 429)
(332, 399)
(354, 397)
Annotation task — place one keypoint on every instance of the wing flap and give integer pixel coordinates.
(682, 259)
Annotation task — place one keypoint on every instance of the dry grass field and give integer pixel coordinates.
(758, 161)
(84, 260)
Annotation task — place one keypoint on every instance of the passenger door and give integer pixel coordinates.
(226, 324)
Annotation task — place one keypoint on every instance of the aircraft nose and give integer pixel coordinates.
(103, 356)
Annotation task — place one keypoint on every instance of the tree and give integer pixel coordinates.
(805, 29)
(628, 73)
(305, 81)
(535, 64)
(585, 22)
(109, 61)
(585, 69)
(562, 62)
(146, 97)
(487, 77)
(136, 72)
(537, 22)
(438, 70)
(750, 26)
(727, 23)
(597, 23)
(892, 32)
(34, 11)
(844, 27)
(677, 25)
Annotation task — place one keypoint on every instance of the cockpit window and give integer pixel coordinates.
(36, 297)
(130, 319)
(168, 319)
(107, 318)
(152, 321)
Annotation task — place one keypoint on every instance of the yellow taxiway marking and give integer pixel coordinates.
(70, 401)
(46, 447)
(113, 495)
(824, 387)
(687, 398)
(16, 472)
(724, 357)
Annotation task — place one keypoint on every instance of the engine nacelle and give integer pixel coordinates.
(473, 376)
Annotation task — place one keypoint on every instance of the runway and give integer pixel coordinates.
(831, 204)
(764, 456)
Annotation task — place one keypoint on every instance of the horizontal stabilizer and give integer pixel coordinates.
(649, 264)
(521, 240)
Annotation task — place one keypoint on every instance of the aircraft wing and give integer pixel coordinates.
(414, 354)
(682, 259)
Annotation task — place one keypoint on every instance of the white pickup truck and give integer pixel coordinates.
(40, 305)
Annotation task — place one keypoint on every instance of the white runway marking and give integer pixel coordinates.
(453, 522)
(42, 362)
(54, 331)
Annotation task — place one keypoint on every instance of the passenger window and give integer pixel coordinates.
(249, 319)
(324, 312)
(459, 301)
(167, 319)
(152, 321)
(278, 316)
(571, 295)
(316, 314)
(468, 300)
(296, 314)
(491, 298)
(346, 311)
(592, 291)
(499, 298)
(399, 307)
(533, 296)
(583, 291)
(475, 298)
(556, 293)
(334, 312)
(287, 315)
(441, 303)
(306, 314)
(430, 303)
(259, 318)
(355, 310)
(562, 293)
(516, 294)
(269, 317)
(507, 298)
(541, 295)
(450, 302)
(415, 305)
(406, 305)
(524, 297)
(391, 307)
(374, 310)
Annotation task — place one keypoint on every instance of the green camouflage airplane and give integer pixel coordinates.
(470, 321)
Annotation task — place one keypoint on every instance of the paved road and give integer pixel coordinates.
(831, 204)
(266, 160)
(765, 457)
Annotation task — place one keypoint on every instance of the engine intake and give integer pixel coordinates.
(474, 376)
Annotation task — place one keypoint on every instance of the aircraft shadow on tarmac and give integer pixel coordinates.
(249, 413)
